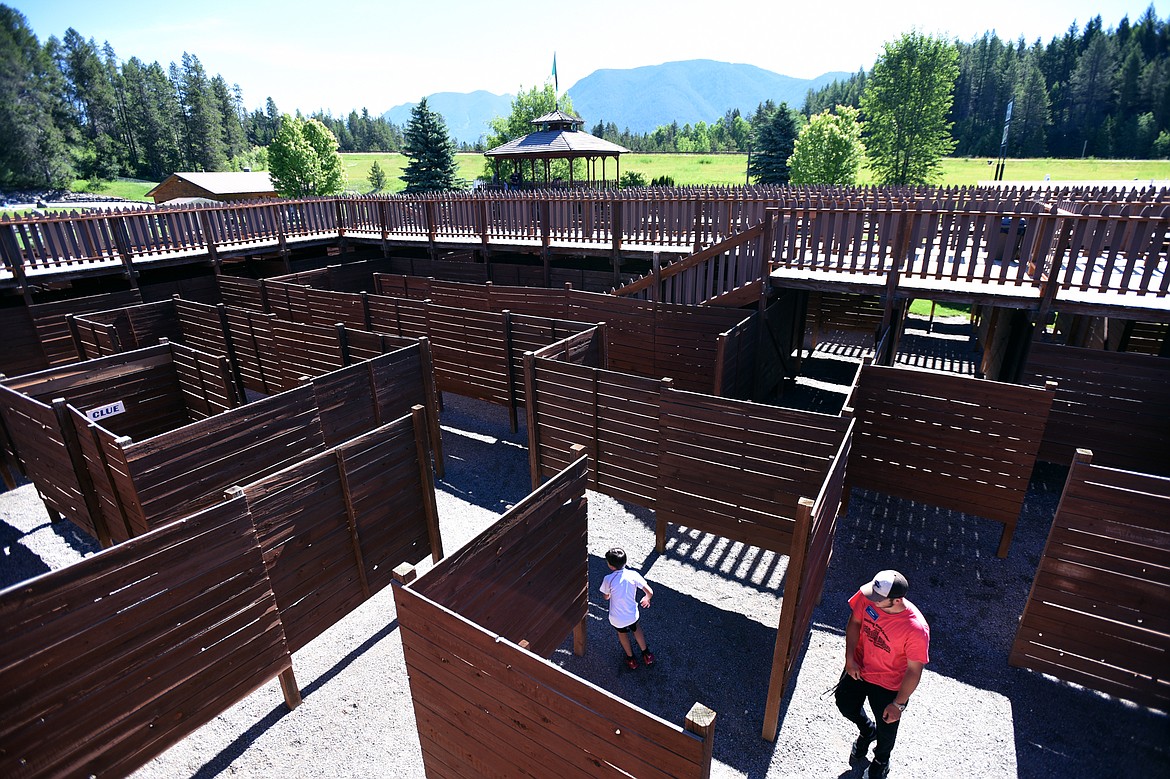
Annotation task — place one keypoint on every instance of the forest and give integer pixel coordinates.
(71, 109)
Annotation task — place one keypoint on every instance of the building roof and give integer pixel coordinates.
(557, 143)
(226, 183)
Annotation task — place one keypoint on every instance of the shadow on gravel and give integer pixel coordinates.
(466, 457)
(19, 562)
(223, 760)
(714, 657)
(973, 601)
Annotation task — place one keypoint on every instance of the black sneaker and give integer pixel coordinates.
(861, 748)
(878, 770)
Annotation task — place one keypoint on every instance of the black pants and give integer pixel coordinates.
(851, 696)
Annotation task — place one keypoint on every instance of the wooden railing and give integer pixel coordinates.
(1089, 240)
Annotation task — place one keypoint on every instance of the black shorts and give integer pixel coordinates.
(629, 628)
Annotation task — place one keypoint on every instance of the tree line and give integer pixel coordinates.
(69, 109)
(1099, 92)
(1090, 92)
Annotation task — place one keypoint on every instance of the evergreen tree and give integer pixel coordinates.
(828, 149)
(774, 142)
(92, 98)
(303, 159)
(1030, 112)
(377, 177)
(227, 105)
(203, 123)
(429, 151)
(32, 147)
(905, 107)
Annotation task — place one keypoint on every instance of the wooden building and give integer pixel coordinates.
(558, 137)
(226, 186)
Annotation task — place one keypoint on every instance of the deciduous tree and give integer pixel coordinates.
(303, 159)
(905, 106)
(829, 149)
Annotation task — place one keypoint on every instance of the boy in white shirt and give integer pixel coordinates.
(621, 590)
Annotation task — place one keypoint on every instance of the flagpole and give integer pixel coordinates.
(556, 84)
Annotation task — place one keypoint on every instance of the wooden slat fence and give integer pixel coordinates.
(52, 324)
(333, 526)
(1114, 403)
(487, 706)
(1097, 613)
(735, 360)
(124, 329)
(111, 661)
(811, 550)
(738, 470)
(950, 441)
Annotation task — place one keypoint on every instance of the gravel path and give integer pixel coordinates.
(712, 627)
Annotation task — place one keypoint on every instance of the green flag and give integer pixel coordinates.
(556, 87)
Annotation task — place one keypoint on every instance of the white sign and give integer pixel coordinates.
(110, 410)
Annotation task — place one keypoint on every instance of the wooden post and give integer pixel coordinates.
(84, 478)
(701, 721)
(418, 414)
(781, 652)
(429, 217)
(351, 520)
(14, 258)
(509, 368)
(433, 402)
(122, 242)
(656, 270)
(342, 343)
(665, 387)
(698, 208)
(530, 413)
(288, 685)
(403, 574)
(233, 358)
(384, 224)
(209, 240)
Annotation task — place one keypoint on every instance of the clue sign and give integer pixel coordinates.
(108, 410)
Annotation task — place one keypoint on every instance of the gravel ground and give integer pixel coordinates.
(712, 628)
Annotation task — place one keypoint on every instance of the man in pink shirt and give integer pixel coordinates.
(887, 643)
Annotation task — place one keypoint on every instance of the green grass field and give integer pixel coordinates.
(724, 169)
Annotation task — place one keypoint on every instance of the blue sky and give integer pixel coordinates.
(380, 53)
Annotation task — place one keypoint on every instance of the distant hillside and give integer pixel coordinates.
(467, 114)
(638, 98)
(685, 92)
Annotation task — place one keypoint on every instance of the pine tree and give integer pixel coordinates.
(430, 152)
(377, 177)
(32, 145)
(774, 142)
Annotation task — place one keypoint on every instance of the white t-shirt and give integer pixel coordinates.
(622, 588)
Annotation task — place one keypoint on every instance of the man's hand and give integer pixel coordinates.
(852, 668)
(891, 713)
(645, 601)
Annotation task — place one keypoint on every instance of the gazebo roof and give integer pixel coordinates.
(557, 144)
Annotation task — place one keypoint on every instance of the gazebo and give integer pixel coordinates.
(558, 137)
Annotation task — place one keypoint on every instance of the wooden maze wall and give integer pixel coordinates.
(1114, 403)
(950, 441)
(487, 706)
(109, 662)
(1098, 613)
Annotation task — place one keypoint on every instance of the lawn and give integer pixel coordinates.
(722, 170)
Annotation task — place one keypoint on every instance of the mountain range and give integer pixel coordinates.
(639, 99)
